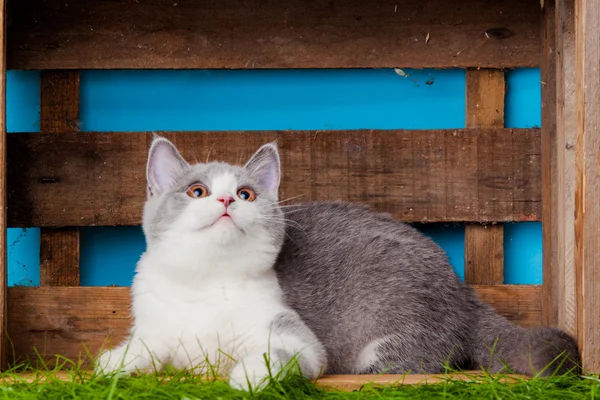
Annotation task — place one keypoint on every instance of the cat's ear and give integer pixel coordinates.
(164, 165)
(264, 165)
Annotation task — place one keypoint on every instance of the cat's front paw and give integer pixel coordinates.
(110, 362)
(118, 361)
(252, 374)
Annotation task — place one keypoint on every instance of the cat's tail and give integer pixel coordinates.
(503, 347)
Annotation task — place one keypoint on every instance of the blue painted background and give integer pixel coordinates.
(261, 100)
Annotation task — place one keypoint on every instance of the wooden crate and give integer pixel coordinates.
(484, 173)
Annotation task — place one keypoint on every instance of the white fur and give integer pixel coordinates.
(205, 296)
(368, 356)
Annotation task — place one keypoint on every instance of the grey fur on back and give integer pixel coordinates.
(377, 290)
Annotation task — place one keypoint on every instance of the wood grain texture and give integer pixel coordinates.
(81, 34)
(486, 89)
(484, 254)
(59, 257)
(587, 189)
(92, 179)
(357, 382)
(3, 188)
(59, 101)
(59, 111)
(75, 322)
(327, 382)
(484, 244)
(558, 141)
(550, 214)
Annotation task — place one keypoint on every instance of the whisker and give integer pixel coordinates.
(209, 152)
(284, 221)
(290, 198)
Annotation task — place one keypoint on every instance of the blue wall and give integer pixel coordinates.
(261, 100)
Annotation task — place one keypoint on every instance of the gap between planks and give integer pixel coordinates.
(327, 382)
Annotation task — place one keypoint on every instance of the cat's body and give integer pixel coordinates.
(382, 296)
(228, 276)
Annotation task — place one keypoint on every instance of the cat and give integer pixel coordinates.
(205, 296)
(356, 291)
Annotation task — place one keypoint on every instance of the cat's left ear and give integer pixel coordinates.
(164, 165)
(264, 165)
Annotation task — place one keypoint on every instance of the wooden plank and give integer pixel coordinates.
(3, 188)
(327, 382)
(59, 257)
(52, 34)
(587, 189)
(521, 304)
(77, 321)
(484, 254)
(558, 153)
(357, 382)
(59, 101)
(484, 244)
(550, 162)
(91, 179)
(59, 111)
(485, 98)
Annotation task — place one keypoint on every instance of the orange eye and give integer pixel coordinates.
(246, 194)
(197, 191)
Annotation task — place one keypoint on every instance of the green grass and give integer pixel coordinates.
(186, 387)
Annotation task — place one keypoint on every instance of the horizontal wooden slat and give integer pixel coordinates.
(83, 179)
(76, 321)
(82, 34)
(327, 382)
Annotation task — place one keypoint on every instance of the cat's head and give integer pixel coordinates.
(213, 204)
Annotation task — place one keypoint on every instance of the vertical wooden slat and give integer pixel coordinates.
(587, 188)
(558, 160)
(484, 244)
(3, 225)
(550, 214)
(59, 248)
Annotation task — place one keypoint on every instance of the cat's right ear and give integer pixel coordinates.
(164, 165)
(265, 166)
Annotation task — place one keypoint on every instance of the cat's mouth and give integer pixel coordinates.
(226, 218)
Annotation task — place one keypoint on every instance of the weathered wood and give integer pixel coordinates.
(549, 161)
(78, 321)
(59, 111)
(59, 257)
(59, 101)
(327, 382)
(89, 179)
(357, 382)
(81, 34)
(558, 153)
(484, 254)
(486, 89)
(484, 245)
(587, 188)
(3, 188)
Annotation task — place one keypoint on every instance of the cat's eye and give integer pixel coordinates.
(197, 191)
(246, 194)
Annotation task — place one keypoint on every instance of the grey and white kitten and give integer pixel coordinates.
(372, 294)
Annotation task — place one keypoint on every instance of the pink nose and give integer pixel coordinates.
(226, 200)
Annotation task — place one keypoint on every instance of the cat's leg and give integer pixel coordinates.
(291, 347)
(137, 354)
